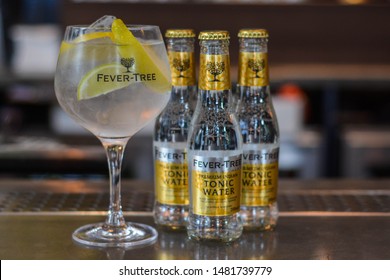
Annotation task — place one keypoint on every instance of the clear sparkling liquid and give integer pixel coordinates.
(260, 131)
(120, 113)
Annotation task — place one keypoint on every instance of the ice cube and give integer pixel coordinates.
(103, 22)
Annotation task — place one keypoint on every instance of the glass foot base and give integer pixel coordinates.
(135, 235)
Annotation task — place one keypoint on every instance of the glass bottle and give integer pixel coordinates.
(171, 132)
(260, 133)
(214, 148)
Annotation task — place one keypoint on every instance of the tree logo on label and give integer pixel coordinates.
(256, 65)
(128, 63)
(215, 69)
(181, 66)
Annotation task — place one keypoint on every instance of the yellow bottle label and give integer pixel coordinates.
(171, 176)
(216, 187)
(214, 72)
(253, 69)
(182, 68)
(260, 177)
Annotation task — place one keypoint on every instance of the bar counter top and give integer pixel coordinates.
(319, 219)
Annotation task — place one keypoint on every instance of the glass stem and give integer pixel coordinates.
(115, 222)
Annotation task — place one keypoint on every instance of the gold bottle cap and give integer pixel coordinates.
(180, 33)
(214, 35)
(253, 33)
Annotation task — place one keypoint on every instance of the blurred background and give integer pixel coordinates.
(329, 68)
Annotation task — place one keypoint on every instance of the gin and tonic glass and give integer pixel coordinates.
(113, 81)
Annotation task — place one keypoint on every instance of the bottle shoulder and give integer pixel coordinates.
(255, 103)
(257, 117)
(175, 109)
(173, 123)
(214, 130)
(257, 113)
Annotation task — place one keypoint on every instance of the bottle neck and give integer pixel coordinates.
(254, 45)
(182, 94)
(214, 69)
(215, 99)
(255, 96)
(181, 61)
(253, 63)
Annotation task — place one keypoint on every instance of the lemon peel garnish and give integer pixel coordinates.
(84, 38)
(145, 62)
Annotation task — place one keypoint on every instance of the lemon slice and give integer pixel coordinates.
(145, 62)
(84, 38)
(102, 80)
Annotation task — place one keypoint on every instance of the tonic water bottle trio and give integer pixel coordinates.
(216, 163)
